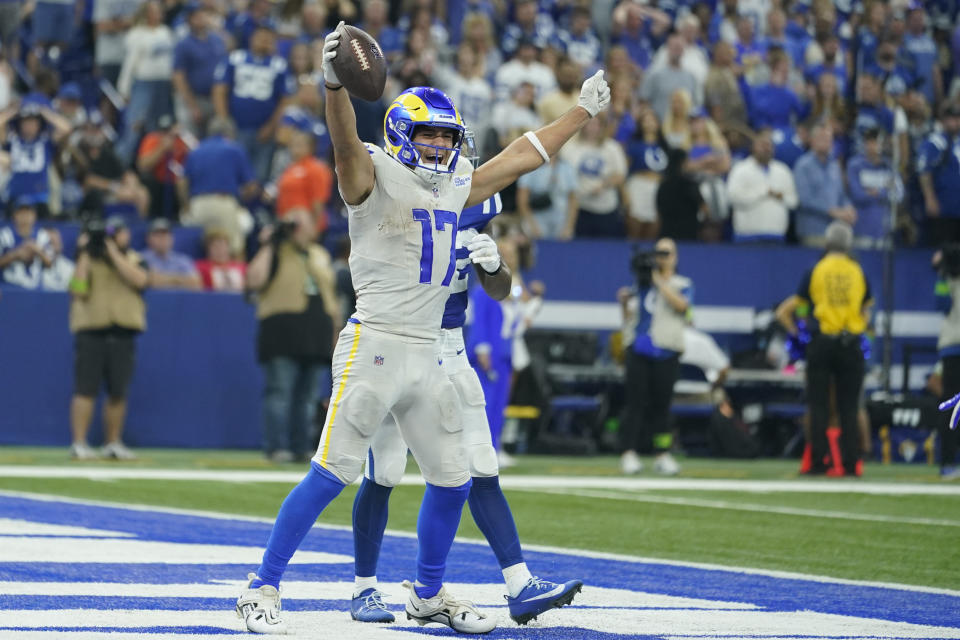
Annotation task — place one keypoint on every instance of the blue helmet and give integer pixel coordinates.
(422, 106)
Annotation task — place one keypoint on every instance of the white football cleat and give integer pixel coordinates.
(459, 615)
(118, 451)
(630, 463)
(666, 465)
(260, 608)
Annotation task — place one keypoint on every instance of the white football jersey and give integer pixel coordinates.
(403, 241)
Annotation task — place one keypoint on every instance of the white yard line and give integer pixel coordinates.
(741, 506)
(507, 481)
(790, 575)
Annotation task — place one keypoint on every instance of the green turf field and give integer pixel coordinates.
(906, 539)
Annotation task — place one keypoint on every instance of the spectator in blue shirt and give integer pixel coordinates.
(749, 50)
(868, 36)
(640, 30)
(168, 269)
(376, 23)
(217, 175)
(242, 25)
(528, 24)
(195, 58)
(25, 249)
(872, 183)
(938, 165)
(775, 104)
(31, 144)
(579, 42)
(922, 52)
(251, 88)
(833, 63)
(895, 78)
(872, 112)
(820, 191)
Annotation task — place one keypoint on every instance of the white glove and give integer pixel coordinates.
(594, 94)
(483, 251)
(330, 44)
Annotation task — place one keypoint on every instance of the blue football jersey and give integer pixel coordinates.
(256, 86)
(476, 217)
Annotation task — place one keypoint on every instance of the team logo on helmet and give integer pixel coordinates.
(422, 106)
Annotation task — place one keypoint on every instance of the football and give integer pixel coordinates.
(360, 65)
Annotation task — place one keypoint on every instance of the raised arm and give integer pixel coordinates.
(354, 166)
(523, 155)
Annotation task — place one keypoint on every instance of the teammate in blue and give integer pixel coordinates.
(251, 87)
(528, 596)
(404, 203)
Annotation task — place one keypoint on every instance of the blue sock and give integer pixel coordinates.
(370, 510)
(492, 514)
(297, 515)
(436, 527)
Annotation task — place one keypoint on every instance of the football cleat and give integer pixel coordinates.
(118, 451)
(665, 465)
(630, 463)
(82, 451)
(459, 615)
(260, 608)
(369, 607)
(950, 472)
(540, 596)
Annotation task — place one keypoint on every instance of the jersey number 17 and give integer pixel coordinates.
(440, 219)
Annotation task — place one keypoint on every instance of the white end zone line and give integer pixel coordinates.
(787, 575)
(614, 483)
(742, 506)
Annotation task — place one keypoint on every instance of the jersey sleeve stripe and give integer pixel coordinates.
(336, 401)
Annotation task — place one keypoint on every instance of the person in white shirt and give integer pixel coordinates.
(694, 58)
(512, 117)
(146, 76)
(470, 91)
(601, 167)
(762, 193)
(524, 67)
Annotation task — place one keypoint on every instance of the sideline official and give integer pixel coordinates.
(106, 314)
(840, 298)
(299, 320)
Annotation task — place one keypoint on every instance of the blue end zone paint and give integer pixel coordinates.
(467, 563)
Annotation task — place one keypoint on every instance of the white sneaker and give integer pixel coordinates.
(118, 451)
(459, 615)
(505, 460)
(666, 465)
(260, 608)
(630, 463)
(82, 451)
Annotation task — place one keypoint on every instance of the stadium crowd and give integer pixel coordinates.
(750, 121)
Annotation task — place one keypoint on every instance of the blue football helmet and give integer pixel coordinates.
(422, 106)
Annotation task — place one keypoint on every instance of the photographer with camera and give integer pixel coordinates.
(947, 263)
(106, 314)
(299, 320)
(655, 314)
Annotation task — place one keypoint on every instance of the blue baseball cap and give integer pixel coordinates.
(24, 202)
(70, 91)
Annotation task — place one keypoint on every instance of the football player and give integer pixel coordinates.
(528, 596)
(403, 204)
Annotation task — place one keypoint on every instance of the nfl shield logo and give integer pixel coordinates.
(378, 360)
